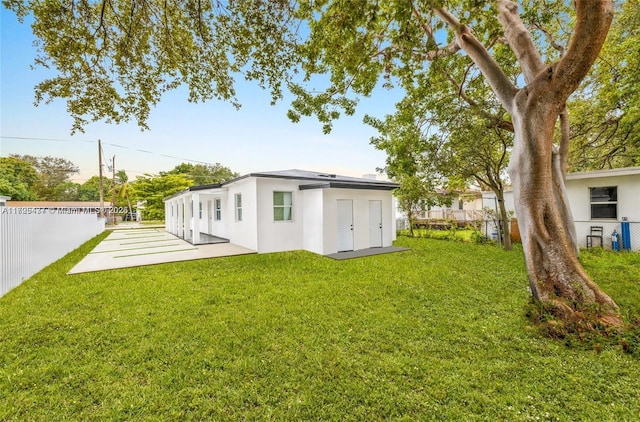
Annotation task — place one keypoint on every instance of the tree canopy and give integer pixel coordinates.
(51, 172)
(605, 112)
(153, 189)
(18, 179)
(204, 174)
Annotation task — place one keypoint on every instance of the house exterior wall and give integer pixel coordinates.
(313, 213)
(277, 236)
(628, 196)
(243, 233)
(473, 205)
(628, 204)
(219, 227)
(360, 200)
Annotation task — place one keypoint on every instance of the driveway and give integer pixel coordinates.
(147, 246)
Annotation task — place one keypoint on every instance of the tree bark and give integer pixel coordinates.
(411, 219)
(536, 168)
(556, 277)
(504, 218)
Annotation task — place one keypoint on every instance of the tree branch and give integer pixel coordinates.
(593, 18)
(450, 49)
(499, 82)
(500, 123)
(555, 44)
(520, 40)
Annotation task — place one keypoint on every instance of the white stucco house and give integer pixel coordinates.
(600, 198)
(606, 198)
(287, 210)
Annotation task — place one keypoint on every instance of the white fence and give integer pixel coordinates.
(32, 238)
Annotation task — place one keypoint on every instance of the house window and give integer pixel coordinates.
(604, 202)
(200, 210)
(238, 201)
(282, 204)
(218, 209)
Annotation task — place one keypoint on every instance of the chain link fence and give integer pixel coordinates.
(583, 228)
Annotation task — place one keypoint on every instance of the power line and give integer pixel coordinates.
(24, 138)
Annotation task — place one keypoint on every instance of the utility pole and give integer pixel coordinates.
(113, 186)
(100, 173)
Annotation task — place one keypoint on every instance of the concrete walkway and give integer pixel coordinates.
(366, 252)
(146, 246)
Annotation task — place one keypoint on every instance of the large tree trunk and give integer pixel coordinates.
(536, 168)
(556, 278)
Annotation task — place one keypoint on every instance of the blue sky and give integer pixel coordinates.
(258, 137)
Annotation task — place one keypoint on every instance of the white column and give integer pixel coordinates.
(174, 216)
(180, 214)
(195, 197)
(188, 216)
(167, 216)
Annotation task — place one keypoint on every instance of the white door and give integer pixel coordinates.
(375, 224)
(345, 225)
(209, 217)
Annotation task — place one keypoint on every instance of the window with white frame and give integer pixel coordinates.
(238, 202)
(282, 206)
(200, 210)
(218, 209)
(604, 202)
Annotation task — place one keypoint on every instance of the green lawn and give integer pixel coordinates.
(435, 333)
(457, 234)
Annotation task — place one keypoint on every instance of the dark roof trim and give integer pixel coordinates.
(317, 176)
(348, 185)
(203, 187)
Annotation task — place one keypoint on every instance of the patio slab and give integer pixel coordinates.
(366, 252)
(148, 246)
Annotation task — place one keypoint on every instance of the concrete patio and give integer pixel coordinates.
(147, 246)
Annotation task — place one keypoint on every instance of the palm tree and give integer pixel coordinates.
(123, 186)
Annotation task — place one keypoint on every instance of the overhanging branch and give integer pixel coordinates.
(499, 82)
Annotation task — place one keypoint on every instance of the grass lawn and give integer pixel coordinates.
(457, 234)
(435, 333)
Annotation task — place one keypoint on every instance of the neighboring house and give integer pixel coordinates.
(605, 198)
(601, 198)
(465, 209)
(287, 210)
